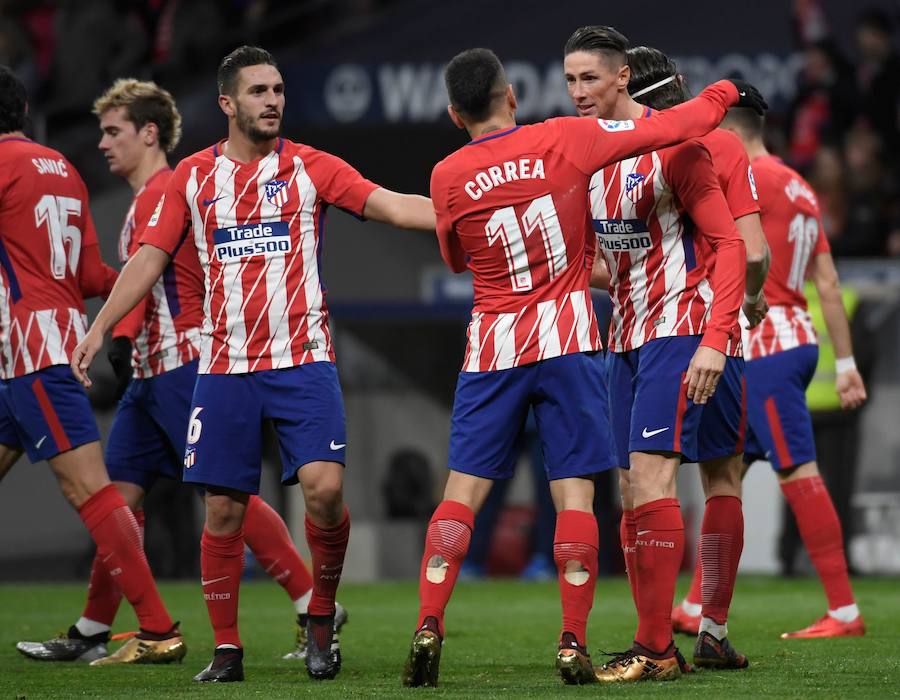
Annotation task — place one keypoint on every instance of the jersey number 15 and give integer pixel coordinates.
(55, 212)
(540, 215)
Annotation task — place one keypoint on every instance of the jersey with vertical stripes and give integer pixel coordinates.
(792, 223)
(49, 258)
(649, 213)
(165, 326)
(258, 229)
(735, 174)
(510, 207)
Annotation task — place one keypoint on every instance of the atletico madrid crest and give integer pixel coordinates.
(277, 192)
(634, 186)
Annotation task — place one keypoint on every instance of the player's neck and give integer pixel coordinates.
(627, 108)
(756, 149)
(495, 123)
(241, 149)
(152, 163)
(13, 135)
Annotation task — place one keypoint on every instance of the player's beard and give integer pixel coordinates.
(248, 126)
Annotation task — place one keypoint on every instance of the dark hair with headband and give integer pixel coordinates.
(655, 81)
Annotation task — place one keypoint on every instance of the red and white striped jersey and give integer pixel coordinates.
(510, 207)
(258, 231)
(793, 226)
(49, 258)
(165, 326)
(735, 174)
(649, 213)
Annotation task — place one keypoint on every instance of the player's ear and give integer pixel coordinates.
(226, 105)
(455, 118)
(150, 134)
(623, 77)
(511, 98)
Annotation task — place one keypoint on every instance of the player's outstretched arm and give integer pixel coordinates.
(135, 280)
(759, 258)
(403, 210)
(849, 383)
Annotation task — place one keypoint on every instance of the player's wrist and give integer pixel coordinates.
(752, 298)
(844, 364)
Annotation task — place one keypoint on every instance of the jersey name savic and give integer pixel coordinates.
(267, 238)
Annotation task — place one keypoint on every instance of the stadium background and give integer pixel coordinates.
(364, 82)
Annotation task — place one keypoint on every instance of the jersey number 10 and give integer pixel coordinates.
(55, 212)
(540, 215)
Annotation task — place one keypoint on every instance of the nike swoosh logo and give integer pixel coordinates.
(213, 580)
(207, 202)
(742, 94)
(650, 433)
(642, 532)
(337, 446)
(40, 442)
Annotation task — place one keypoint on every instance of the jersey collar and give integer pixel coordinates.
(493, 135)
(218, 149)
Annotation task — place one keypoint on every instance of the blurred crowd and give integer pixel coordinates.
(842, 130)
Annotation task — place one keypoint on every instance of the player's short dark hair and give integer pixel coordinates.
(241, 57)
(875, 19)
(475, 79)
(144, 103)
(597, 38)
(13, 101)
(746, 120)
(648, 67)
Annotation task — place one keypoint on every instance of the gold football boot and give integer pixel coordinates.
(632, 666)
(146, 651)
(573, 662)
(424, 660)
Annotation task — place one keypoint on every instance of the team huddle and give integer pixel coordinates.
(702, 239)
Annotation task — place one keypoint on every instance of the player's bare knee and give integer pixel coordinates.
(325, 501)
(224, 512)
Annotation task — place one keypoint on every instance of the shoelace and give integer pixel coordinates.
(619, 657)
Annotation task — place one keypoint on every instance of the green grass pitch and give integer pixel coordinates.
(501, 643)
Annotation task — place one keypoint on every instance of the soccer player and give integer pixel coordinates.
(252, 207)
(511, 208)
(140, 125)
(674, 321)
(781, 359)
(655, 82)
(49, 263)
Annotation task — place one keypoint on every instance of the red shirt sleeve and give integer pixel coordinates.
(690, 170)
(735, 173)
(591, 144)
(339, 183)
(95, 277)
(451, 250)
(167, 224)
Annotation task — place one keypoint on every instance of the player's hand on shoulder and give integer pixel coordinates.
(749, 96)
(755, 311)
(703, 374)
(851, 389)
(84, 354)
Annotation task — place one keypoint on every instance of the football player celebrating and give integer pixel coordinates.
(49, 263)
(511, 208)
(674, 321)
(252, 207)
(655, 82)
(155, 354)
(781, 359)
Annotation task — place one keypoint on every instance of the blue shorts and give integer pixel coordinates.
(568, 397)
(648, 404)
(46, 413)
(780, 427)
(723, 423)
(224, 438)
(148, 433)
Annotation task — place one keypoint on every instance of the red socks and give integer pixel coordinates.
(821, 532)
(659, 545)
(115, 531)
(575, 553)
(721, 544)
(268, 538)
(695, 595)
(104, 595)
(627, 536)
(328, 546)
(446, 543)
(221, 566)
